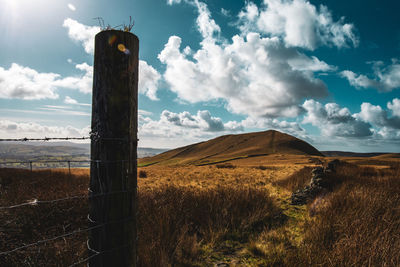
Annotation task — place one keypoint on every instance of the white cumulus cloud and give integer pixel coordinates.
(12, 129)
(298, 22)
(149, 79)
(205, 24)
(371, 122)
(386, 78)
(83, 83)
(82, 33)
(25, 83)
(332, 120)
(21, 82)
(394, 106)
(375, 115)
(182, 128)
(254, 75)
(202, 120)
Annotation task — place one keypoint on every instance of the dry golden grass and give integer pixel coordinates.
(208, 177)
(184, 211)
(358, 224)
(355, 224)
(198, 216)
(29, 224)
(177, 223)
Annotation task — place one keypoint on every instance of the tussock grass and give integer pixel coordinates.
(296, 180)
(179, 223)
(225, 166)
(196, 216)
(29, 224)
(355, 225)
(176, 222)
(359, 224)
(142, 174)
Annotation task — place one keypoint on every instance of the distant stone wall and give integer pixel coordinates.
(318, 184)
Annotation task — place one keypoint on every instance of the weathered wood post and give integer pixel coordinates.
(113, 150)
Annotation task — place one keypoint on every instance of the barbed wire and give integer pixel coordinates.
(97, 253)
(84, 260)
(63, 236)
(36, 202)
(50, 239)
(64, 161)
(93, 137)
(47, 161)
(25, 139)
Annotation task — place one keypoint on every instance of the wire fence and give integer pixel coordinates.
(44, 164)
(25, 139)
(88, 196)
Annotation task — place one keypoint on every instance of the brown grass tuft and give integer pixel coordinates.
(29, 224)
(174, 221)
(142, 174)
(225, 166)
(297, 180)
(358, 224)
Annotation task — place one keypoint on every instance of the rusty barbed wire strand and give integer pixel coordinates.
(63, 236)
(97, 253)
(36, 202)
(25, 139)
(47, 161)
(49, 239)
(93, 137)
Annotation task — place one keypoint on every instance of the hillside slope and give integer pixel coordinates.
(229, 147)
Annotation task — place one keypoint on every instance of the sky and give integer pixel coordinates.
(327, 72)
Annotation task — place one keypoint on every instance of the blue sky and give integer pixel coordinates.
(325, 71)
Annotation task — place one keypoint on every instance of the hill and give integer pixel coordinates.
(229, 147)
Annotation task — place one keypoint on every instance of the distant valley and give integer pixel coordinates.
(19, 151)
(252, 146)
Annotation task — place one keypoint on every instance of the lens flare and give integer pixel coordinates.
(123, 49)
(112, 39)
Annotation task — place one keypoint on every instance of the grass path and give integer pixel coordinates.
(269, 246)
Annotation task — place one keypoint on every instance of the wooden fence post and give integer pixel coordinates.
(114, 150)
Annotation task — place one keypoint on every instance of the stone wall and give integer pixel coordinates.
(319, 183)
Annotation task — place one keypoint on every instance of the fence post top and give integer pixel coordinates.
(117, 32)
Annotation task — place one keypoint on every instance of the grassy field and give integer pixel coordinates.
(237, 214)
